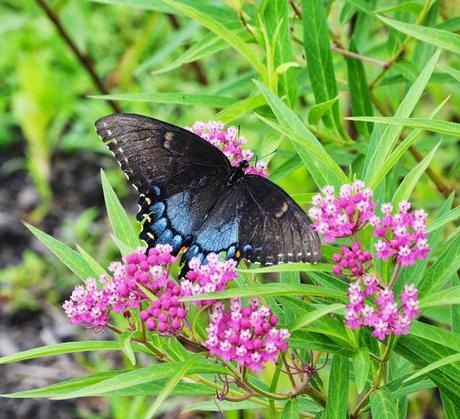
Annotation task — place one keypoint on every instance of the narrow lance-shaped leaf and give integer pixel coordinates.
(319, 58)
(276, 19)
(438, 364)
(121, 224)
(66, 348)
(337, 395)
(310, 317)
(381, 146)
(440, 271)
(269, 290)
(170, 385)
(449, 296)
(222, 31)
(443, 127)
(175, 98)
(452, 215)
(361, 103)
(437, 37)
(69, 257)
(410, 181)
(318, 162)
(361, 367)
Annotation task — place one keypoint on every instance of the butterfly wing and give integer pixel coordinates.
(178, 174)
(260, 222)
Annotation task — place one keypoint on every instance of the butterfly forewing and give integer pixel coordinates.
(178, 174)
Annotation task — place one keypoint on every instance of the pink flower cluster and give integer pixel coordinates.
(246, 335)
(352, 259)
(212, 276)
(344, 215)
(384, 315)
(230, 143)
(91, 304)
(403, 236)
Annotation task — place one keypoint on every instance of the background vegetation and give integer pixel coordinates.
(288, 73)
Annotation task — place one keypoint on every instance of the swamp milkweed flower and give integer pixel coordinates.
(402, 237)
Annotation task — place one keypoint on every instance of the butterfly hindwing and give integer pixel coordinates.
(257, 220)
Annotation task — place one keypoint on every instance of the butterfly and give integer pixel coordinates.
(192, 198)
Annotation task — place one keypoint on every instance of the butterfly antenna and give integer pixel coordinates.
(266, 155)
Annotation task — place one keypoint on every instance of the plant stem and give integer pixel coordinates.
(83, 58)
(336, 48)
(395, 275)
(288, 370)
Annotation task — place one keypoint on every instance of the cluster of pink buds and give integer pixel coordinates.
(383, 313)
(167, 314)
(246, 335)
(344, 215)
(211, 276)
(403, 236)
(351, 259)
(91, 304)
(230, 143)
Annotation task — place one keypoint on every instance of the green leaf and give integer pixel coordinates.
(126, 346)
(383, 405)
(291, 267)
(318, 162)
(62, 387)
(317, 111)
(197, 13)
(382, 145)
(443, 127)
(319, 58)
(171, 97)
(444, 297)
(269, 290)
(237, 109)
(401, 148)
(69, 257)
(139, 377)
(436, 37)
(440, 271)
(122, 246)
(361, 5)
(276, 21)
(208, 45)
(409, 183)
(288, 167)
(66, 348)
(452, 215)
(119, 220)
(310, 317)
(361, 367)
(174, 42)
(437, 335)
(171, 384)
(445, 361)
(96, 268)
(361, 103)
(222, 406)
(291, 410)
(337, 396)
(450, 407)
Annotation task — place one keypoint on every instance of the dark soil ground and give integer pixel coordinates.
(76, 187)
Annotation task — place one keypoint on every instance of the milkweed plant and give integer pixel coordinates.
(354, 335)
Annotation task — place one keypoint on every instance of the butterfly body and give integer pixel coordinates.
(194, 200)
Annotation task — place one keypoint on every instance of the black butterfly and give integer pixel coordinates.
(192, 198)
